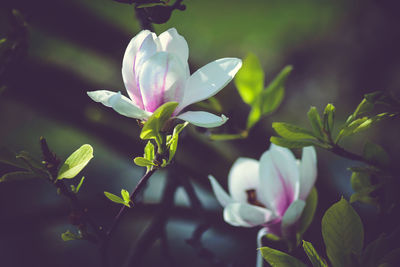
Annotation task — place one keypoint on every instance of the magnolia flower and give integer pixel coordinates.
(155, 70)
(271, 192)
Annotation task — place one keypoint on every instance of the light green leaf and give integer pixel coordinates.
(68, 236)
(75, 163)
(254, 116)
(350, 128)
(116, 199)
(278, 258)
(293, 132)
(375, 153)
(294, 143)
(360, 180)
(250, 79)
(173, 142)
(313, 255)
(309, 210)
(343, 233)
(154, 125)
(328, 118)
(125, 196)
(17, 176)
(272, 95)
(149, 152)
(143, 162)
(316, 122)
(362, 108)
(79, 185)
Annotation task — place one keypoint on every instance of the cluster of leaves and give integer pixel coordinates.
(28, 167)
(160, 153)
(343, 235)
(322, 135)
(262, 100)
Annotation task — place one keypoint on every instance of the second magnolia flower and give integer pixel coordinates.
(155, 70)
(271, 192)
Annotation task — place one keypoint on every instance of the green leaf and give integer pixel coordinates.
(361, 184)
(125, 196)
(154, 125)
(309, 210)
(383, 98)
(360, 180)
(10, 158)
(375, 153)
(294, 143)
(17, 176)
(280, 259)
(362, 108)
(350, 128)
(316, 123)
(329, 116)
(378, 249)
(143, 162)
(173, 142)
(371, 121)
(343, 233)
(76, 190)
(250, 79)
(293, 132)
(68, 236)
(149, 152)
(272, 95)
(254, 116)
(116, 199)
(76, 162)
(313, 255)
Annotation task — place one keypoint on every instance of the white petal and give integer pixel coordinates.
(119, 103)
(292, 215)
(102, 96)
(308, 171)
(242, 214)
(171, 41)
(128, 63)
(279, 178)
(209, 80)
(161, 79)
(222, 197)
(243, 176)
(203, 119)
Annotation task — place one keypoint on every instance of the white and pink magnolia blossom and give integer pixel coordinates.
(271, 192)
(155, 70)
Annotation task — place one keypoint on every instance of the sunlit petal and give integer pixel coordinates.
(209, 80)
(203, 119)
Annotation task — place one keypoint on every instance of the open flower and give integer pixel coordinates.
(155, 70)
(271, 192)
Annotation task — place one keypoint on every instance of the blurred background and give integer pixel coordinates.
(339, 50)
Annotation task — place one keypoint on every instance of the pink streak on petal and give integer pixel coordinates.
(287, 196)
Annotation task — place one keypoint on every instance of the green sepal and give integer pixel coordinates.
(75, 163)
